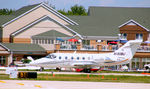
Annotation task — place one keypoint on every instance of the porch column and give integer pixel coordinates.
(10, 58)
(57, 46)
(140, 63)
(78, 46)
(130, 65)
(99, 47)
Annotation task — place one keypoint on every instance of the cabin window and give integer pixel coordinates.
(59, 57)
(77, 58)
(66, 58)
(83, 58)
(72, 58)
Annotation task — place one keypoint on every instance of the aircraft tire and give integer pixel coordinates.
(87, 70)
(41, 68)
(57, 68)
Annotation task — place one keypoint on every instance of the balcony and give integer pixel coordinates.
(143, 49)
(97, 48)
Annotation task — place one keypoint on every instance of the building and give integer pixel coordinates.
(39, 30)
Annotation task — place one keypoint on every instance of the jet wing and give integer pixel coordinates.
(84, 64)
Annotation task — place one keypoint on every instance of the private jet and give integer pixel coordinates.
(88, 61)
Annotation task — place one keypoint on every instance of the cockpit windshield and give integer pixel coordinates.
(51, 56)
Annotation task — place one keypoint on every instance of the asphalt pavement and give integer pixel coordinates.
(24, 84)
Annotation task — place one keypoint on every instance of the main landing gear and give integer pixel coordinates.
(87, 70)
(41, 68)
(57, 68)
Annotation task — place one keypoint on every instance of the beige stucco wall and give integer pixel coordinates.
(42, 27)
(1, 48)
(27, 19)
(4, 52)
(48, 47)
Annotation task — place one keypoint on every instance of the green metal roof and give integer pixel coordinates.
(105, 21)
(24, 9)
(5, 18)
(52, 33)
(23, 47)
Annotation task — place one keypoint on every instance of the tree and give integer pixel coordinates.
(75, 10)
(6, 11)
(62, 12)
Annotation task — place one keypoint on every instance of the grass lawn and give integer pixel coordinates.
(88, 78)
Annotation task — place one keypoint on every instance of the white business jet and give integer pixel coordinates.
(87, 61)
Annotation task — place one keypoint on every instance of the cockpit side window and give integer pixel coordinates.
(51, 56)
(47, 56)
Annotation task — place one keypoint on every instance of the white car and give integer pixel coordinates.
(147, 66)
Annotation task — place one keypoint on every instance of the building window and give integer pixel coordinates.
(36, 41)
(33, 41)
(48, 41)
(2, 60)
(42, 41)
(139, 36)
(45, 41)
(52, 42)
(124, 36)
(86, 42)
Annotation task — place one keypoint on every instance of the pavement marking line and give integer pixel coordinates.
(38, 86)
(20, 84)
(2, 81)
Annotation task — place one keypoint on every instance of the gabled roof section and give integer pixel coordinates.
(27, 9)
(51, 33)
(24, 9)
(22, 47)
(42, 18)
(1, 44)
(132, 21)
(104, 21)
(5, 18)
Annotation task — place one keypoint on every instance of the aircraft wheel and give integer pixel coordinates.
(59, 69)
(41, 68)
(87, 70)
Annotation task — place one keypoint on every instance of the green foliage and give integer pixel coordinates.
(62, 12)
(83, 77)
(78, 10)
(26, 61)
(6, 11)
(75, 10)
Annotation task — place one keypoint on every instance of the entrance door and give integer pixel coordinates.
(2, 60)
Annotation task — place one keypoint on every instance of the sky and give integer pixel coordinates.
(66, 4)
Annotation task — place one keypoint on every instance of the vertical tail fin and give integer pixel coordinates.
(30, 58)
(128, 49)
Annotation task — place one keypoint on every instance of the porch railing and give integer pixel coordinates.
(103, 48)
